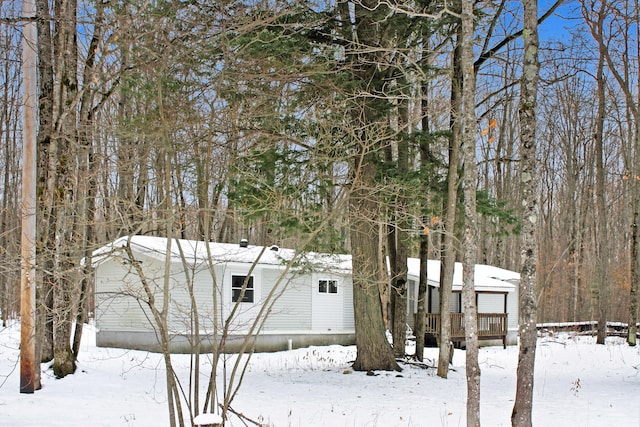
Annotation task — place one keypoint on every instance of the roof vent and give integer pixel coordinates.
(244, 243)
(274, 248)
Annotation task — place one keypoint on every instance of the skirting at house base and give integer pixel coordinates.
(265, 342)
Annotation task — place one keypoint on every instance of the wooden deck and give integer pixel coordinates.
(490, 326)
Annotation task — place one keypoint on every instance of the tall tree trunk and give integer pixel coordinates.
(635, 206)
(65, 286)
(470, 177)
(401, 234)
(374, 351)
(86, 186)
(448, 247)
(392, 253)
(522, 408)
(425, 159)
(419, 327)
(635, 267)
(620, 68)
(602, 257)
(47, 158)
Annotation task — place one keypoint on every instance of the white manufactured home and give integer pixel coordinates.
(277, 297)
(291, 301)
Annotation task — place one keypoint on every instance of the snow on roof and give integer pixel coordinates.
(487, 277)
(195, 252)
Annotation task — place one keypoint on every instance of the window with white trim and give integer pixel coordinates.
(237, 283)
(326, 286)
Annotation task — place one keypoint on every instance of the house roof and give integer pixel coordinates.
(195, 252)
(487, 278)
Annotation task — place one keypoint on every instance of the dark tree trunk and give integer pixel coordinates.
(64, 221)
(86, 188)
(635, 214)
(419, 327)
(425, 159)
(374, 351)
(402, 245)
(392, 253)
(448, 258)
(398, 245)
(602, 256)
(47, 155)
(635, 275)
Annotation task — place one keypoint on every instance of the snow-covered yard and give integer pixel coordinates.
(578, 383)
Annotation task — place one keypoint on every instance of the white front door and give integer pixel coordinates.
(327, 297)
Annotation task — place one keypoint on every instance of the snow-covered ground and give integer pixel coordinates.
(578, 383)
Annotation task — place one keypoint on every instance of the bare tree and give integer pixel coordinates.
(469, 179)
(602, 254)
(10, 154)
(522, 408)
(613, 29)
(66, 105)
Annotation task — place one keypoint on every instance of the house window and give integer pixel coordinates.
(237, 282)
(327, 286)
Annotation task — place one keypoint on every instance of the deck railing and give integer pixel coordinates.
(490, 325)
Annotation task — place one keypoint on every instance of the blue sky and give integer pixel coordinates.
(559, 25)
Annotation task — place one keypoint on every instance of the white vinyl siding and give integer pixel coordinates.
(203, 293)
(348, 318)
(490, 303)
(120, 301)
(291, 310)
(454, 305)
(435, 300)
(456, 302)
(512, 309)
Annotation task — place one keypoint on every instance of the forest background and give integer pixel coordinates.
(229, 120)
